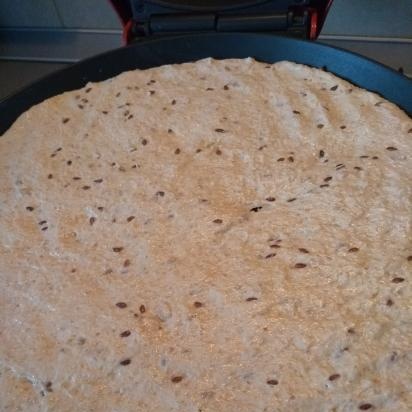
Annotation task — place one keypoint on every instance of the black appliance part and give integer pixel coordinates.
(362, 72)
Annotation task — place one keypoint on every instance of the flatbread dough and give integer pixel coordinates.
(212, 236)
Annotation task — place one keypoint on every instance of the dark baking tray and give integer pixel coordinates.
(164, 50)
